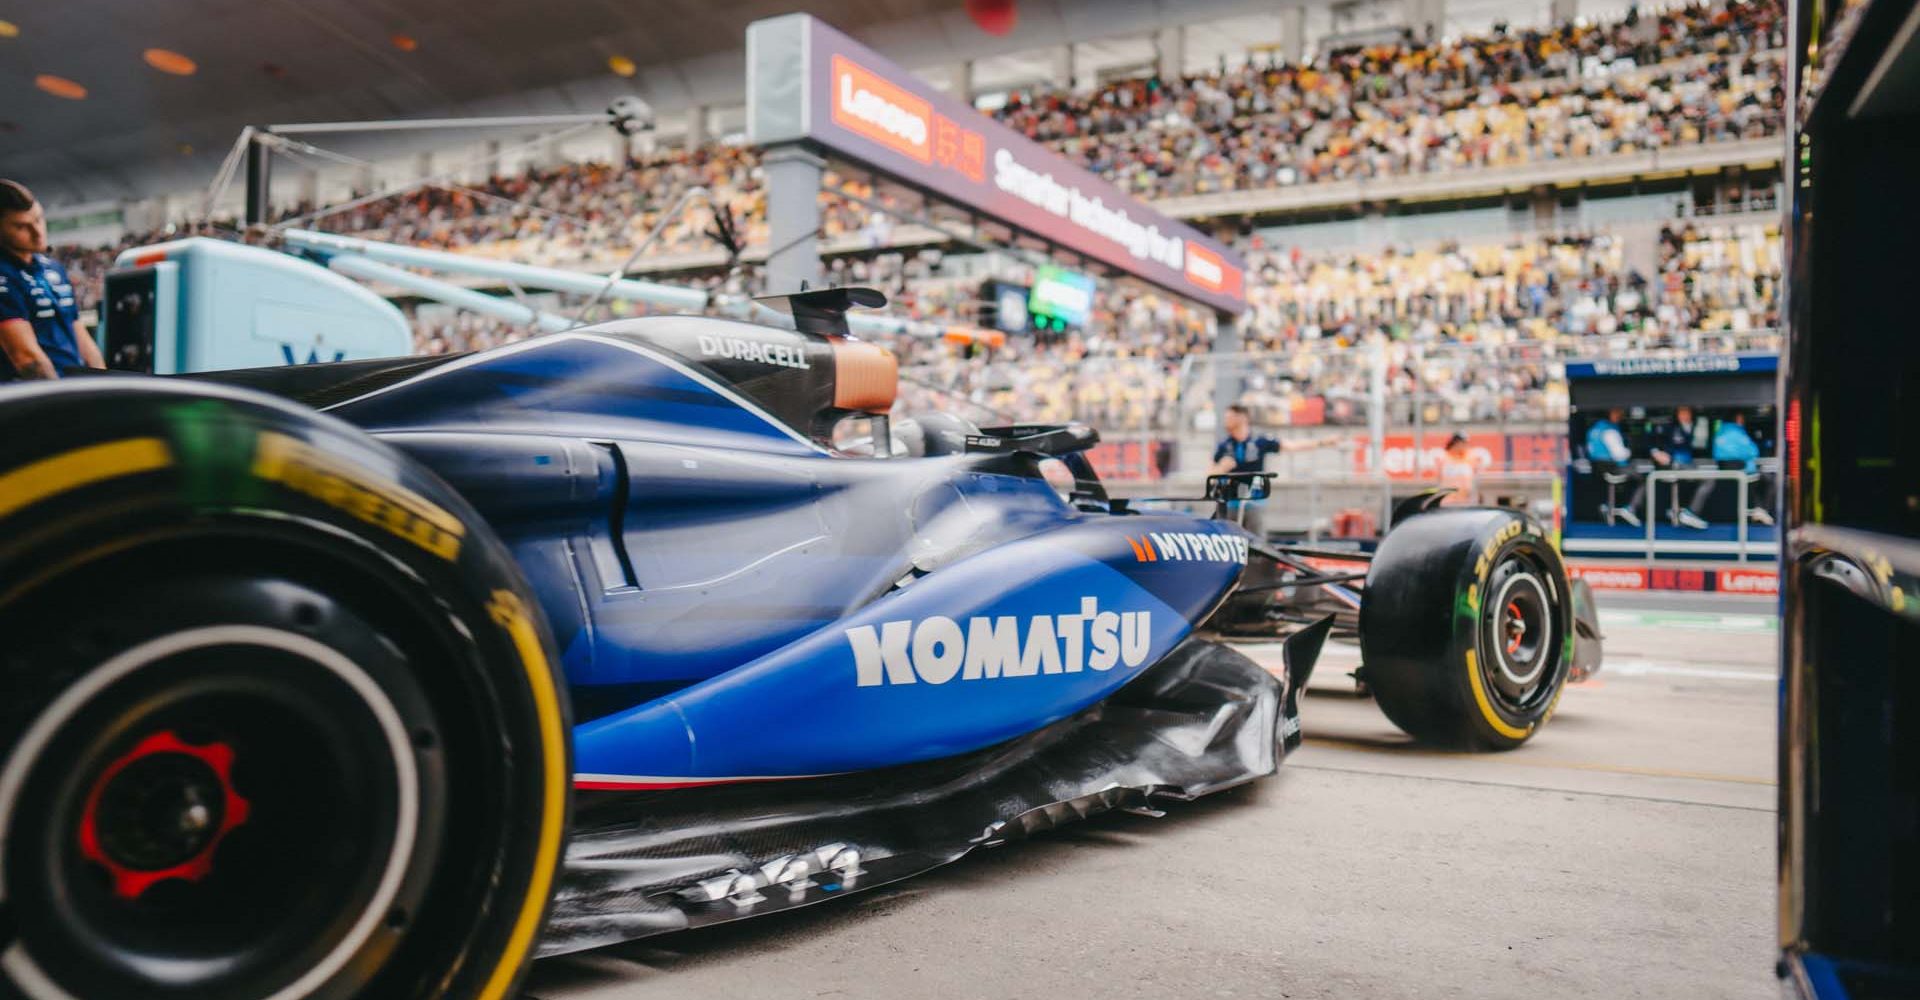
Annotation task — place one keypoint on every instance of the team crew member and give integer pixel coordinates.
(41, 332)
(1240, 451)
(1678, 439)
(1457, 473)
(1734, 447)
(1607, 449)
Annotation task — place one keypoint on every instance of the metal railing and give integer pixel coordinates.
(1741, 479)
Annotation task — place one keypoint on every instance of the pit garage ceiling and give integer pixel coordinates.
(140, 129)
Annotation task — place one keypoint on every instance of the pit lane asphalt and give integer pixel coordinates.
(1625, 852)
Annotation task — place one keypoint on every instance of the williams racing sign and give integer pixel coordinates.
(808, 82)
(1691, 364)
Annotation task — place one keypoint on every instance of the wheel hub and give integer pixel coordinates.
(1520, 631)
(1516, 628)
(160, 811)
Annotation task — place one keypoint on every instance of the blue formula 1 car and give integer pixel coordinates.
(378, 679)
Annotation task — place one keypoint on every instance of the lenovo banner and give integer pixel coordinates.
(808, 82)
(1489, 452)
(1615, 576)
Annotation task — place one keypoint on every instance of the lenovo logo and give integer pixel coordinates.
(1737, 581)
(1611, 579)
(871, 105)
(939, 649)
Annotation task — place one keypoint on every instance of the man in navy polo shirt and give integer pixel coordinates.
(41, 333)
(1240, 451)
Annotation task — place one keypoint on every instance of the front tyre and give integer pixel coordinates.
(1466, 629)
(277, 719)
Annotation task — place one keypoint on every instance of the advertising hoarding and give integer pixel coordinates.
(1616, 576)
(807, 82)
(1693, 364)
(1491, 451)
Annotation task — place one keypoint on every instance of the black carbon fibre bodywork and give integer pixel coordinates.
(1282, 590)
(1204, 719)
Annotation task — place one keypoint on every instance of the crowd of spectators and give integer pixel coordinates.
(1475, 328)
(1708, 278)
(575, 215)
(1720, 277)
(1701, 73)
(1329, 139)
(1471, 330)
(1501, 57)
(590, 214)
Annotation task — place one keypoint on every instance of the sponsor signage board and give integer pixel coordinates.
(1747, 581)
(1610, 577)
(1694, 364)
(1489, 452)
(1602, 576)
(808, 82)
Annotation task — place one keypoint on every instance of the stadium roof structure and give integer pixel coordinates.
(112, 99)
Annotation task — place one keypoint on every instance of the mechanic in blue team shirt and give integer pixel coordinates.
(41, 332)
(1240, 451)
(1607, 447)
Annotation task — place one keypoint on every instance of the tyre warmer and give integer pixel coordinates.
(1203, 719)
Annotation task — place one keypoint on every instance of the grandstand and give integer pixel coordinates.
(1447, 220)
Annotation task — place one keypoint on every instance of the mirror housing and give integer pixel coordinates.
(1229, 487)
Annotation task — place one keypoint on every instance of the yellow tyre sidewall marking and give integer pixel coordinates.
(48, 477)
(306, 469)
(507, 609)
(1501, 726)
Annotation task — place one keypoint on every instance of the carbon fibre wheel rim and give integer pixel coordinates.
(285, 862)
(1520, 636)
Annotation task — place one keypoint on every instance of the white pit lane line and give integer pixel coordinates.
(1343, 658)
(1620, 618)
(1639, 667)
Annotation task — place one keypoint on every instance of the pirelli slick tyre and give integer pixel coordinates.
(277, 716)
(1466, 629)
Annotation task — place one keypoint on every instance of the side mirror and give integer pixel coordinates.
(1237, 486)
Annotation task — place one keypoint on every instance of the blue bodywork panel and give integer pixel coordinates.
(732, 601)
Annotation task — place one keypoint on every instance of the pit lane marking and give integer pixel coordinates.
(1348, 657)
(1397, 749)
(1519, 786)
(1635, 667)
(1693, 620)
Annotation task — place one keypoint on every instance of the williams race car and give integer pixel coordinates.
(379, 679)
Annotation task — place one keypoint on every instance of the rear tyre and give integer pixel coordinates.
(1466, 629)
(277, 719)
